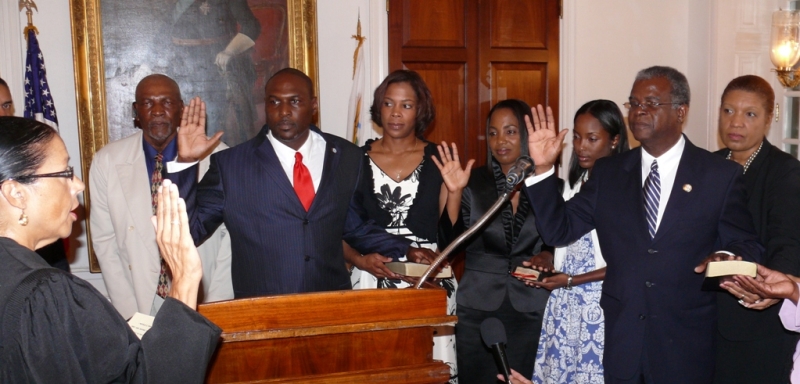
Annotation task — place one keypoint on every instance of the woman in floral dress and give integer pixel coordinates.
(403, 190)
(572, 337)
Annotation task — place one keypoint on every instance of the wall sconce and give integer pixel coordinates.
(785, 46)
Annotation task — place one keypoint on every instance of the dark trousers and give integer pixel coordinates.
(766, 360)
(642, 376)
(475, 361)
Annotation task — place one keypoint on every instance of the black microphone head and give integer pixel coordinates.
(521, 168)
(493, 332)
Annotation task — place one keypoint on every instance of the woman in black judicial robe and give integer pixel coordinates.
(752, 344)
(487, 289)
(56, 328)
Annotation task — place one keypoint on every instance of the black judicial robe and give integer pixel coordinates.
(56, 328)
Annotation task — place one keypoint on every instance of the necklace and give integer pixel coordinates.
(749, 159)
(413, 149)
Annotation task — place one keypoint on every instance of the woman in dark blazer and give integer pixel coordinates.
(752, 345)
(487, 289)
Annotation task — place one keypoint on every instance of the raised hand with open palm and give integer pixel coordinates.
(544, 139)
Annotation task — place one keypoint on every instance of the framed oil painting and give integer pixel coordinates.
(220, 50)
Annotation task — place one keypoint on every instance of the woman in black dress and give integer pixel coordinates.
(752, 345)
(487, 289)
(56, 328)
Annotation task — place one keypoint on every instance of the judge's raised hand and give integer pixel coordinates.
(193, 144)
(455, 178)
(544, 140)
(176, 245)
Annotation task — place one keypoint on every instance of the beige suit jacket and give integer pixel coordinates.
(123, 237)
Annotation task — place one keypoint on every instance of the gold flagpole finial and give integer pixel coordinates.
(360, 40)
(27, 5)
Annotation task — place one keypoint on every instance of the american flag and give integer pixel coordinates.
(38, 100)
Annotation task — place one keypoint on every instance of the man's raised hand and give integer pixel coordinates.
(544, 140)
(193, 144)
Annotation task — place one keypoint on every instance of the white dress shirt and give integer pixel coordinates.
(313, 151)
(667, 169)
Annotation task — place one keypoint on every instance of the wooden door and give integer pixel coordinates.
(474, 53)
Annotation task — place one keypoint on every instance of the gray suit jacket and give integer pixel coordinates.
(123, 237)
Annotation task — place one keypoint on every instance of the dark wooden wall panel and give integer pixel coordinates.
(473, 53)
(517, 24)
(447, 82)
(429, 25)
(524, 81)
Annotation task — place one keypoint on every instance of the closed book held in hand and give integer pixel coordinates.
(417, 269)
(530, 274)
(717, 269)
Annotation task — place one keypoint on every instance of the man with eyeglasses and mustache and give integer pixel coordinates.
(122, 181)
(682, 207)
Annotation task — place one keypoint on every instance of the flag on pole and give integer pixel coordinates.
(357, 114)
(38, 100)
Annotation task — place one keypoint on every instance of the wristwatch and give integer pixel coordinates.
(569, 283)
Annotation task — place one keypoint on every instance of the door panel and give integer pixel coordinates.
(514, 23)
(447, 82)
(433, 26)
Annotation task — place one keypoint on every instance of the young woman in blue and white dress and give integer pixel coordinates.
(572, 337)
(403, 191)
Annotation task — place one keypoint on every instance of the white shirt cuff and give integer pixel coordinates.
(174, 166)
(533, 179)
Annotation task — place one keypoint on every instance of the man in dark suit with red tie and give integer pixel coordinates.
(680, 207)
(288, 198)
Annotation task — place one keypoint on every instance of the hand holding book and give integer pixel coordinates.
(768, 286)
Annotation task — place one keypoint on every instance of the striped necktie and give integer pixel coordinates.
(652, 194)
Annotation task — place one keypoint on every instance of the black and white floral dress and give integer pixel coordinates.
(396, 198)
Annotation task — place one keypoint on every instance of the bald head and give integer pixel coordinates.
(294, 73)
(160, 80)
(158, 109)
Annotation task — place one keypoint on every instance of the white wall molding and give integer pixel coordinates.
(12, 50)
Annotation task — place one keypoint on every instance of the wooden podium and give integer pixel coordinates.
(363, 336)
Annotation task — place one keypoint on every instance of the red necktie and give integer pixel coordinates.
(303, 185)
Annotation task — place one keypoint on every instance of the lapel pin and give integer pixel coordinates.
(687, 187)
(334, 150)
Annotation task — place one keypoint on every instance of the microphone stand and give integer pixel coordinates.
(525, 165)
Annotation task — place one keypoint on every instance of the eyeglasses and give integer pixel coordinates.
(647, 105)
(68, 174)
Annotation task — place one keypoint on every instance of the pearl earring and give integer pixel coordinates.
(23, 219)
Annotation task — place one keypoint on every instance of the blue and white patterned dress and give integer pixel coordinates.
(573, 332)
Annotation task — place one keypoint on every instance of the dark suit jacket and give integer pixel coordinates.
(652, 299)
(773, 187)
(277, 246)
(489, 258)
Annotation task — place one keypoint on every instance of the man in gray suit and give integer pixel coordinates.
(121, 181)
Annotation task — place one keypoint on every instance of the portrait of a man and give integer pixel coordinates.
(220, 50)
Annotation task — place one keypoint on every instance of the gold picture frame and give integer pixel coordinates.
(89, 60)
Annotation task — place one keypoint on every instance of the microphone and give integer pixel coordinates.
(521, 168)
(493, 334)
